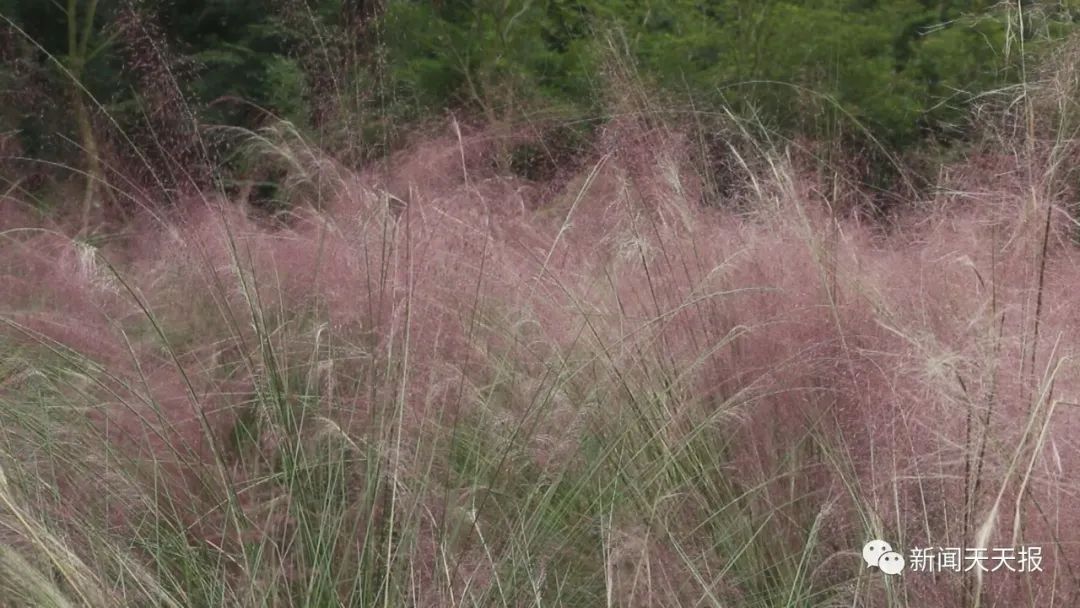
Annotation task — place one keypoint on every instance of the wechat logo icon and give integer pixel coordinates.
(880, 554)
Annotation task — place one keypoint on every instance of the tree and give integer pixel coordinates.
(81, 32)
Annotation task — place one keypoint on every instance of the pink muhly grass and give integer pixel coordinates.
(895, 373)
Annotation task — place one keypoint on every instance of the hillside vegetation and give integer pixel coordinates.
(523, 315)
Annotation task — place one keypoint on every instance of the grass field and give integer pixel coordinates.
(431, 384)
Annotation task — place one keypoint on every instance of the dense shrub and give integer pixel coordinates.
(895, 74)
(903, 70)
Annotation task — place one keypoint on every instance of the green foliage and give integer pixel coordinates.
(489, 53)
(897, 73)
(39, 66)
(242, 52)
(901, 69)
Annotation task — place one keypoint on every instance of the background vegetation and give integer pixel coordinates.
(96, 84)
